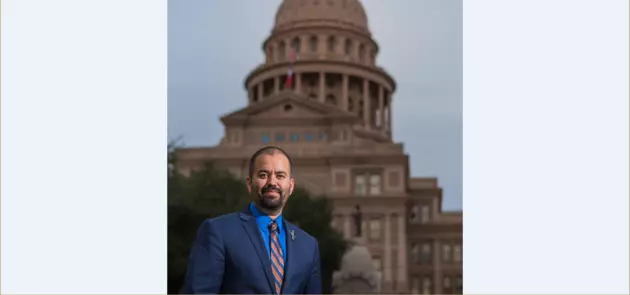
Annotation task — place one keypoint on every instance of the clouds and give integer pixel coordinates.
(214, 44)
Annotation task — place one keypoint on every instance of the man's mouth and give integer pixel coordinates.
(271, 192)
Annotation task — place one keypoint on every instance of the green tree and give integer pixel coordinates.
(210, 192)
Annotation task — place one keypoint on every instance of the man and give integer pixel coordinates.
(256, 251)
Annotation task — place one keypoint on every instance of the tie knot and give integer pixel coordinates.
(273, 226)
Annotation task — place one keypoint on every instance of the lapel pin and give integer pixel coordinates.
(292, 235)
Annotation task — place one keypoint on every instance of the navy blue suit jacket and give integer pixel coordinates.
(229, 257)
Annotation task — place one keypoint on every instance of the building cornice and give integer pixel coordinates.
(374, 70)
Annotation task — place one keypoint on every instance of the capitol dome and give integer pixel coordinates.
(339, 13)
(323, 51)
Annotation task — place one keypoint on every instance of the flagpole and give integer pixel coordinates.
(289, 82)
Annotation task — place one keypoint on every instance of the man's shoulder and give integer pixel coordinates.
(223, 220)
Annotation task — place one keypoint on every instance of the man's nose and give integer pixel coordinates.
(272, 179)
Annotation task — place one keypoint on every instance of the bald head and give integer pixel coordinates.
(268, 150)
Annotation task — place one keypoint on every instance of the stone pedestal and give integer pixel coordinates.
(357, 274)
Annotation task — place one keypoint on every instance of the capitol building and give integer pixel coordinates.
(335, 120)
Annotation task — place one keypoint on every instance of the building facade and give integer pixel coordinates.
(335, 122)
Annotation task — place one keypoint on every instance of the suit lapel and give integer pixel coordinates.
(249, 223)
(289, 264)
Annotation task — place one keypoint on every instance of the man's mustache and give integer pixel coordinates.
(271, 188)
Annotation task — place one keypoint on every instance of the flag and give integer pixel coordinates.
(289, 81)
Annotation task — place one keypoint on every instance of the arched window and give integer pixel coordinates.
(348, 47)
(362, 53)
(332, 44)
(295, 44)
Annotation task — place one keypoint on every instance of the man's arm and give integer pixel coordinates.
(206, 262)
(314, 281)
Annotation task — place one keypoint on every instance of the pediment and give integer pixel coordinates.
(287, 105)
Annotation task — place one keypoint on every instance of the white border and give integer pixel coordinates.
(84, 146)
(546, 147)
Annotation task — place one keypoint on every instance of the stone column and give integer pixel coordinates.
(251, 94)
(260, 91)
(322, 87)
(387, 260)
(402, 255)
(344, 93)
(381, 107)
(366, 103)
(322, 48)
(276, 85)
(346, 226)
(298, 83)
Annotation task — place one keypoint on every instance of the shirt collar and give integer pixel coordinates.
(263, 219)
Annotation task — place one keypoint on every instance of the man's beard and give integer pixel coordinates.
(269, 202)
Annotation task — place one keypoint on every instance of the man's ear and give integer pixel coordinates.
(291, 186)
(248, 181)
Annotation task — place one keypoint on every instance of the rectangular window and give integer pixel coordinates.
(447, 255)
(447, 286)
(427, 286)
(414, 215)
(458, 288)
(427, 254)
(360, 185)
(375, 229)
(375, 184)
(425, 214)
(457, 253)
(415, 285)
(367, 183)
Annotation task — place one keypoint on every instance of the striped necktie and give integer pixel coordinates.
(277, 262)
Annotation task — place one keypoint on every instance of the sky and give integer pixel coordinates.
(213, 45)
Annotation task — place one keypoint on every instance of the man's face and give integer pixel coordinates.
(271, 183)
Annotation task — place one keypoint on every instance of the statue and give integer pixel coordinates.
(358, 221)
